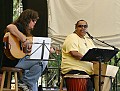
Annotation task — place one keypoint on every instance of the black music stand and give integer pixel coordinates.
(100, 55)
(41, 50)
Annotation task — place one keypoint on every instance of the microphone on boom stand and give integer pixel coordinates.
(116, 49)
(89, 35)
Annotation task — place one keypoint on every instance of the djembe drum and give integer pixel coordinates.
(76, 82)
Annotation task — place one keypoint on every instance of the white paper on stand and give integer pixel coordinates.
(37, 48)
(111, 71)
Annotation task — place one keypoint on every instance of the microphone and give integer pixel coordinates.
(89, 35)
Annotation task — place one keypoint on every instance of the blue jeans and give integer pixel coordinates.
(32, 71)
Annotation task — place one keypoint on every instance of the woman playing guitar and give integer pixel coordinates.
(18, 32)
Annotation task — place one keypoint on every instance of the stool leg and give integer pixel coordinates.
(20, 74)
(16, 81)
(3, 79)
(61, 84)
(9, 80)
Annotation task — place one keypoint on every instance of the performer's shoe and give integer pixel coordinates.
(23, 87)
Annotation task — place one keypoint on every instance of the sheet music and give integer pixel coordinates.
(37, 47)
(111, 71)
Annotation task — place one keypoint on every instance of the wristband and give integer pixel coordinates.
(24, 41)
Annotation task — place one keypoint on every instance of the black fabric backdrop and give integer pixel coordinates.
(41, 28)
(6, 9)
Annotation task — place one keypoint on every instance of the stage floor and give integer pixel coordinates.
(52, 89)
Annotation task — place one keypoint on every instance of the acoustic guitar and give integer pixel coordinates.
(13, 47)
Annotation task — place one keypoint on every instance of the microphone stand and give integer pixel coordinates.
(115, 64)
(116, 49)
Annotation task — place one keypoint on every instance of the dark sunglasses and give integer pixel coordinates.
(85, 26)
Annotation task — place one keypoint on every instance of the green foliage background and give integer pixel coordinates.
(16, 9)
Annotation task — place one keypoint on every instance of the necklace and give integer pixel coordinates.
(83, 39)
(85, 43)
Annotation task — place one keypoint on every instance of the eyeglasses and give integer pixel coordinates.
(85, 26)
(34, 20)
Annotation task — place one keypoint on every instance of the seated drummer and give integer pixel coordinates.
(73, 49)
